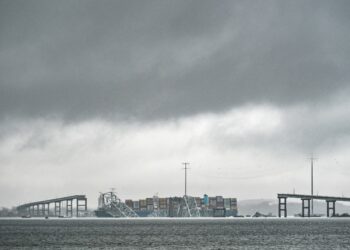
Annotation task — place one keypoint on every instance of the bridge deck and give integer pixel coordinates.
(315, 197)
(72, 197)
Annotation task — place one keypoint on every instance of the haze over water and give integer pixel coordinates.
(176, 233)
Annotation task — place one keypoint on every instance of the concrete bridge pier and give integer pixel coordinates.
(43, 209)
(57, 208)
(84, 205)
(282, 206)
(305, 205)
(330, 208)
(69, 208)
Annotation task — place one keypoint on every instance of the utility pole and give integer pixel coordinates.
(186, 163)
(312, 159)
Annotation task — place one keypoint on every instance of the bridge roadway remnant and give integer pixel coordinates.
(305, 200)
(42, 208)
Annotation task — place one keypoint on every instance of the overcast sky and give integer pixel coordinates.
(101, 94)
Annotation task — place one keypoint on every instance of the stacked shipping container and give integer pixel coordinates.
(217, 206)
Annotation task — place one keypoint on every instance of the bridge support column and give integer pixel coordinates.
(282, 206)
(304, 206)
(79, 205)
(329, 207)
(77, 208)
(69, 208)
(57, 208)
(46, 210)
(43, 207)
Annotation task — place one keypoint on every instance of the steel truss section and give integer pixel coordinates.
(188, 207)
(113, 205)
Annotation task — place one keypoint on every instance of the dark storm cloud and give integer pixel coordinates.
(158, 59)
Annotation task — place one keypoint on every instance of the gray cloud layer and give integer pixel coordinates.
(161, 59)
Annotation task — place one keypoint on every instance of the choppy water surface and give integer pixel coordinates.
(176, 233)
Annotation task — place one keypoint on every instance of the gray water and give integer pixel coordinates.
(175, 233)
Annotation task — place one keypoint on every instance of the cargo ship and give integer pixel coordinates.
(111, 206)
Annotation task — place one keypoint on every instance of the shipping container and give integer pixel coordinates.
(136, 205)
(227, 203)
(129, 203)
(216, 206)
(219, 212)
(212, 201)
(219, 199)
(163, 206)
(220, 204)
(149, 201)
(229, 213)
(163, 201)
(233, 203)
(143, 204)
(205, 200)
(155, 202)
(233, 200)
